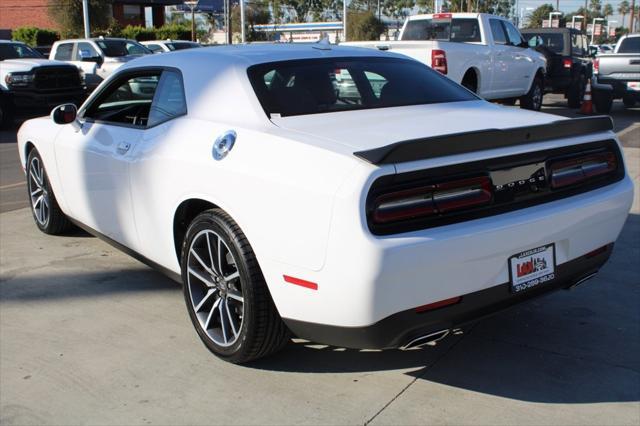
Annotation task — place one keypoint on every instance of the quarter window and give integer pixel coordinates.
(63, 52)
(169, 101)
(499, 37)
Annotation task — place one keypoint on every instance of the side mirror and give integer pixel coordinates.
(64, 114)
(523, 44)
(96, 59)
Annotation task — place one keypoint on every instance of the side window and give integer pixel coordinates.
(376, 81)
(499, 37)
(85, 50)
(63, 52)
(345, 88)
(512, 33)
(169, 101)
(127, 100)
(155, 48)
(576, 44)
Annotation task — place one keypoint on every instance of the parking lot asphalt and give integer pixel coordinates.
(90, 336)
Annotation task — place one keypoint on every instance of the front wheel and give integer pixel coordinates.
(226, 295)
(44, 206)
(629, 101)
(533, 99)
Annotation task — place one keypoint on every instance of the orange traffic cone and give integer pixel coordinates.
(587, 105)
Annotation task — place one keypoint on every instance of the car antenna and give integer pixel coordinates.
(323, 44)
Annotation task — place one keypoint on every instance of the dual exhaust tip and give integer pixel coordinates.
(430, 339)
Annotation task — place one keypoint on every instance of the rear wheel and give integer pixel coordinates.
(533, 99)
(575, 92)
(226, 295)
(629, 101)
(44, 207)
(603, 101)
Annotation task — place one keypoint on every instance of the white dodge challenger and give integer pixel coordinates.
(381, 218)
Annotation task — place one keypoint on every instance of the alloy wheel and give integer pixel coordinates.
(215, 288)
(38, 191)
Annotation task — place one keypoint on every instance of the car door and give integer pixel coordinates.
(500, 83)
(93, 155)
(521, 66)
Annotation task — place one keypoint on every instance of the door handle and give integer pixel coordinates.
(123, 147)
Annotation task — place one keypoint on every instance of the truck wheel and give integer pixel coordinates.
(629, 101)
(533, 99)
(226, 295)
(6, 116)
(575, 92)
(603, 101)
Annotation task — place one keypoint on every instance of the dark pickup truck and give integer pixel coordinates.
(568, 60)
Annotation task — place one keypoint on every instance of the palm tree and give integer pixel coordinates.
(595, 6)
(607, 10)
(623, 9)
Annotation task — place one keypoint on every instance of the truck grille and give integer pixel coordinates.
(63, 77)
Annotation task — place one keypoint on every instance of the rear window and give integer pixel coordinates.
(630, 45)
(314, 86)
(460, 30)
(181, 45)
(552, 41)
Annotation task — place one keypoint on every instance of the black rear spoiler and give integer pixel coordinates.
(461, 143)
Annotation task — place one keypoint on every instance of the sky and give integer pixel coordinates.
(573, 5)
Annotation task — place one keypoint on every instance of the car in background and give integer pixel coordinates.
(30, 83)
(161, 46)
(568, 60)
(485, 53)
(617, 75)
(97, 57)
(387, 220)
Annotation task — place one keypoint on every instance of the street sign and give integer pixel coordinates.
(598, 30)
(555, 23)
(578, 26)
(612, 32)
(545, 23)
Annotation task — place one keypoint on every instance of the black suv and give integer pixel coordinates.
(568, 60)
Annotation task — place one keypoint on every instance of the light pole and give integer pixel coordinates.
(344, 20)
(192, 5)
(593, 28)
(551, 14)
(85, 18)
(573, 20)
(242, 31)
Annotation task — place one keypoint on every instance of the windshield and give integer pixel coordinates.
(312, 86)
(630, 45)
(181, 45)
(116, 48)
(552, 41)
(460, 30)
(17, 51)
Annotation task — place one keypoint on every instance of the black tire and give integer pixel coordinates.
(603, 101)
(533, 99)
(509, 101)
(261, 332)
(50, 220)
(575, 92)
(629, 101)
(6, 113)
(470, 81)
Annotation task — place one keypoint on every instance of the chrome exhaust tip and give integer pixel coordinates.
(582, 280)
(428, 339)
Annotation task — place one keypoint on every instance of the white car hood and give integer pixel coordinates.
(28, 64)
(374, 128)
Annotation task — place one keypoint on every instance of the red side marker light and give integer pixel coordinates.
(301, 283)
(440, 304)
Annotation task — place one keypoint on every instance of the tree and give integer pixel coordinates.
(623, 9)
(68, 15)
(607, 10)
(495, 7)
(595, 6)
(255, 13)
(364, 26)
(537, 16)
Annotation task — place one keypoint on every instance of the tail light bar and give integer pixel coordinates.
(432, 200)
(576, 170)
(596, 65)
(439, 61)
(567, 63)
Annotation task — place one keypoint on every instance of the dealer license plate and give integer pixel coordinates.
(633, 85)
(532, 267)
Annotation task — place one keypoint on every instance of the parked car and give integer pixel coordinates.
(30, 84)
(162, 46)
(617, 75)
(381, 222)
(484, 53)
(568, 60)
(97, 57)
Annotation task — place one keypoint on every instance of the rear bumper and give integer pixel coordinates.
(618, 88)
(402, 327)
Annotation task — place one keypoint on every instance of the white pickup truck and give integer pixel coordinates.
(485, 53)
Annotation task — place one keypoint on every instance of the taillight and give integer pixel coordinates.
(439, 60)
(431, 200)
(567, 63)
(596, 65)
(580, 169)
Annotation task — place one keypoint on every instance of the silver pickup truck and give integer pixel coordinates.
(617, 75)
